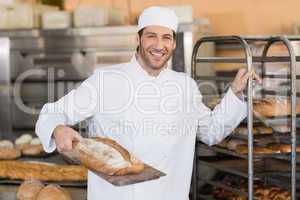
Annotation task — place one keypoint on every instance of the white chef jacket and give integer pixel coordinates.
(155, 118)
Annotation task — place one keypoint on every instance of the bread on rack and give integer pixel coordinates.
(273, 192)
(107, 156)
(8, 151)
(287, 148)
(282, 128)
(269, 107)
(53, 192)
(264, 130)
(233, 143)
(29, 190)
(23, 141)
(42, 171)
(223, 143)
(283, 195)
(34, 148)
(257, 130)
(243, 149)
(243, 130)
(260, 193)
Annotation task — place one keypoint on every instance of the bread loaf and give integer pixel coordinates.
(263, 130)
(53, 192)
(107, 156)
(34, 148)
(233, 143)
(287, 148)
(260, 193)
(243, 149)
(269, 107)
(242, 130)
(42, 171)
(23, 141)
(8, 150)
(29, 190)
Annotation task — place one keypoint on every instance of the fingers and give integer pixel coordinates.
(252, 74)
(65, 146)
(64, 138)
(257, 78)
(77, 136)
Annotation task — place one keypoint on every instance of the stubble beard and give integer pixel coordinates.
(147, 61)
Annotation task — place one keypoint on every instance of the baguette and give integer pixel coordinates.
(42, 171)
(106, 156)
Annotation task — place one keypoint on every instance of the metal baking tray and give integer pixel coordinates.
(227, 187)
(283, 180)
(276, 121)
(236, 167)
(245, 156)
(240, 167)
(61, 183)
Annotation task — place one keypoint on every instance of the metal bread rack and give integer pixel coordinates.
(245, 44)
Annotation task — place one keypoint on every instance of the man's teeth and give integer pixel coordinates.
(156, 54)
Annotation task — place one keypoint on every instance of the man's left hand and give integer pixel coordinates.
(240, 81)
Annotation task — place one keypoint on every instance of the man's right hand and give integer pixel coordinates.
(64, 136)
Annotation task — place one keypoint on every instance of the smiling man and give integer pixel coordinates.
(156, 44)
(148, 108)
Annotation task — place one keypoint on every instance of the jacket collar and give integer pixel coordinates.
(136, 67)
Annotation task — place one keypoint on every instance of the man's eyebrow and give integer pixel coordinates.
(153, 33)
(148, 33)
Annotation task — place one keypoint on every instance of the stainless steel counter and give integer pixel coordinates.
(9, 192)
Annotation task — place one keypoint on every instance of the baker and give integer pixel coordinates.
(148, 108)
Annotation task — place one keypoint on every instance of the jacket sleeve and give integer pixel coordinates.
(214, 125)
(76, 106)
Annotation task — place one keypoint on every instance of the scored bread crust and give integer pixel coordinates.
(33, 150)
(42, 171)
(269, 107)
(9, 153)
(131, 164)
(53, 192)
(29, 190)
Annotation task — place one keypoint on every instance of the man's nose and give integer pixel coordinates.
(159, 43)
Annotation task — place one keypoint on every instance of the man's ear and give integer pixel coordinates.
(174, 45)
(137, 39)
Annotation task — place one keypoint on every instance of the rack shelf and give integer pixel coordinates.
(273, 59)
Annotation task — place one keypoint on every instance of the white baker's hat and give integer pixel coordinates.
(158, 16)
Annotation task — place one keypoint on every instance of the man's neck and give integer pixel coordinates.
(149, 70)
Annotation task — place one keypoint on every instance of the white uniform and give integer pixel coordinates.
(156, 118)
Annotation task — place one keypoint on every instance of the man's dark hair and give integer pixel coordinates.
(140, 32)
